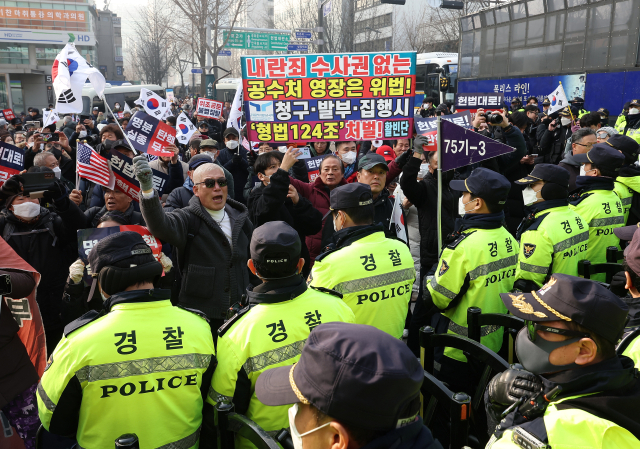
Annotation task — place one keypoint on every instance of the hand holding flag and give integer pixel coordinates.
(94, 167)
(235, 115)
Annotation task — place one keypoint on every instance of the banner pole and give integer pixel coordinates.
(104, 99)
(439, 156)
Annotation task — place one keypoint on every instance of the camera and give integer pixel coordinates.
(493, 119)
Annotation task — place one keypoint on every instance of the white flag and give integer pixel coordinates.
(397, 218)
(153, 104)
(184, 129)
(69, 73)
(558, 100)
(235, 115)
(49, 117)
(126, 108)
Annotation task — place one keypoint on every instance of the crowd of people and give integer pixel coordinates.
(275, 288)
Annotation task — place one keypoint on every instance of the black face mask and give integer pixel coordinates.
(535, 356)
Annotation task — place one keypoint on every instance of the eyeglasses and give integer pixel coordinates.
(534, 327)
(603, 136)
(211, 182)
(589, 145)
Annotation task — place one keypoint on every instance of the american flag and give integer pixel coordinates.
(94, 167)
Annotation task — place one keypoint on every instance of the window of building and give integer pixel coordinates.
(46, 55)
(14, 54)
(364, 4)
(118, 51)
(117, 32)
(374, 23)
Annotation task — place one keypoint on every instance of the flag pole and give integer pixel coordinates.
(439, 215)
(104, 99)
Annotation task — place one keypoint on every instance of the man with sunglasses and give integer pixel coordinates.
(576, 392)
(211, 236)
(596, 201)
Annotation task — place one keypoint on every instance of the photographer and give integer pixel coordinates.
(41, 237)
(553, 137)
(427, 109)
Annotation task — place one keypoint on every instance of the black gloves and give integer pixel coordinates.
(511, 385)
(237, 158)
(56, 192)
(618, 282)
(251, 158)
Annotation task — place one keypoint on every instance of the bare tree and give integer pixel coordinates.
(150, 50)
(179, 50)
(206, 18)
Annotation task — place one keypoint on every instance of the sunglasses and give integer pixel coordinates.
(534, 327)
(211, 182)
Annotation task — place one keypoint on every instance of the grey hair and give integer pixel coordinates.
(40, 160)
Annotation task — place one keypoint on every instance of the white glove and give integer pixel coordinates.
(76, 270)
(167, 264)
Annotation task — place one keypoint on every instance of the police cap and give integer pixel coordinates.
(565, 112)
(484, 183)
(351, 195)
(548, 173)
(604, 112)
(516, 100)
(602, 156)
(577, 100)
(625, 144)
(370, 160)
(114, 248)
(357, 374)
(572, 299)
(634, 103)
(275, 244)
(546, 101)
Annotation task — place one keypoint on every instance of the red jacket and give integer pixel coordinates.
(319, 195)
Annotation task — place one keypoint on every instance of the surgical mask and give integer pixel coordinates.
(57, 171)
(530, 196)
(349, 158)
(82, 134)
(296, 437)
(565, 121)
(232, 144)
(30, 145)
(26, 210)
(461, 206)
(534, 356)
(424, 169)
(334, 224)
(583, 172)
(634, 111)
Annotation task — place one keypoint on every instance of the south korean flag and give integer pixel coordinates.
(184, 129)
(153, 104)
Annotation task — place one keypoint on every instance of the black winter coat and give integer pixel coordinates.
(46, 248)
(270, 203)
(424, 195)
(236, 163)
(552, 145)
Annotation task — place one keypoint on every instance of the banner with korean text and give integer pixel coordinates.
(329, 97)
(490, 102)
(11, 161)
(428, 126)
(209, 108)
(126, 181)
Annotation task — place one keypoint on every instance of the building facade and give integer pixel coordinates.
(109, 36)
(31, 36)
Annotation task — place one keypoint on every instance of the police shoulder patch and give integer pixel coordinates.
(459, 240)
(230, 322)
(85, 319)
(528, 249)
(444, 267)
(327, 290)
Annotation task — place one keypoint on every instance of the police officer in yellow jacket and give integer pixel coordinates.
(374, 274)
(578, 103)
(627, 183)
(270, 330)
(596, 202)
(629, 125)
(478, 263)
(553, 238)
(139, 366)
(574, 391)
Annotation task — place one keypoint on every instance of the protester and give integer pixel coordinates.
(172, 166)
(319, 148)
(278, 200)
(211, 236)
(554, 137)
(581, 142)
(234, 158)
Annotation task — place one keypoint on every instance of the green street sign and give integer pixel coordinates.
(210, 81)
(257, 41)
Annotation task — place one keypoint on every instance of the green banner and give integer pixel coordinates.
(257, 41)
(210, 81)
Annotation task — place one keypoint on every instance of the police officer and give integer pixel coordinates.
(604, 116)
(629, 125)
(627, 183)
(546, 104)
(375, 274)
(270, 330)
(596, 202)
(478, 263)
(516, 105)
(553, 238)
(135, 367)
(578, 103)
(587, 396)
